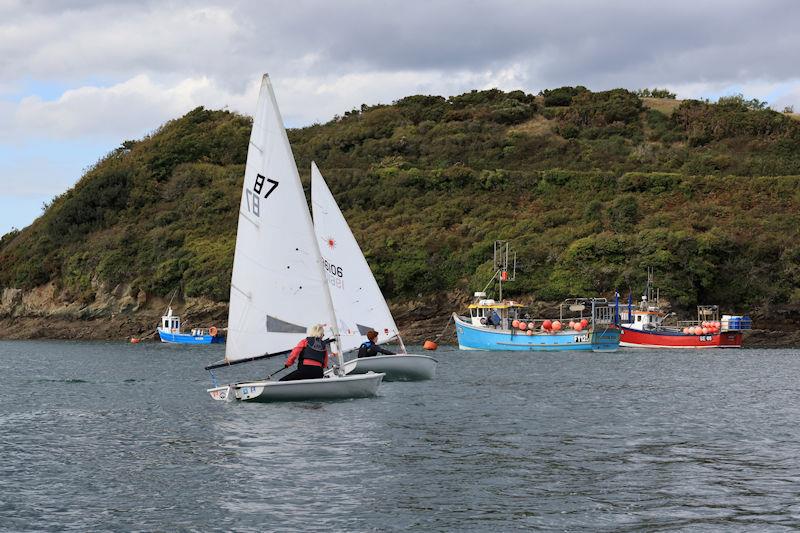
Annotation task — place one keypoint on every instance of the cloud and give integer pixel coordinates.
(123, 110)
(94, 72)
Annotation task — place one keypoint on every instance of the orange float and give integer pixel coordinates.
(584, 322)
(578, 326)
(556, 325)
(430, 345)
(515, 324)
(134, 340)
(547, 325)
(213, 331)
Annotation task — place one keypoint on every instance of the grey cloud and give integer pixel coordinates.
(599, 44)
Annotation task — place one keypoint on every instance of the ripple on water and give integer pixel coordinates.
(102, 436)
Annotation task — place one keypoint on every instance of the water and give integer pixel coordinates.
(110, 436)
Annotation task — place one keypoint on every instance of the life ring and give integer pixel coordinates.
(213, 331)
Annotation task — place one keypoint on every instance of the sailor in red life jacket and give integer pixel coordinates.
(311, 356)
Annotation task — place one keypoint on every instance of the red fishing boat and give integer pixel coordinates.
(648, 326)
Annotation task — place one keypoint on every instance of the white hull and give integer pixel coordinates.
(407, 367)
(328, 388)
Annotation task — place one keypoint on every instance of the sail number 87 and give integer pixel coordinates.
(253, 197)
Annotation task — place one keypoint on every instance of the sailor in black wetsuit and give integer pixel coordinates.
(370, 349)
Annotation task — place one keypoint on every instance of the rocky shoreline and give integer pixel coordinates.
(119, 314)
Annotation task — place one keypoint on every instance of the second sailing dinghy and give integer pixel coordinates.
(278, 287)
(357, 300)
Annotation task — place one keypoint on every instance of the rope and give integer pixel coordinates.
(439, 336)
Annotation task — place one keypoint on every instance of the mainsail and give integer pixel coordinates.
(357, 300)
(277, 287)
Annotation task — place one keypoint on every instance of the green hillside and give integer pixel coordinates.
(590, 187)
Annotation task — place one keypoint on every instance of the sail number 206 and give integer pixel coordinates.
(253, 197)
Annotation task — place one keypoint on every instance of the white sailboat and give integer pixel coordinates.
(278, 287)
(358, 302)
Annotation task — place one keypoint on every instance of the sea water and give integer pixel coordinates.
(118, 437)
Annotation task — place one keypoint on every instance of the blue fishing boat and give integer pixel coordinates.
(170, 332)
(584, 324)
(503, 326)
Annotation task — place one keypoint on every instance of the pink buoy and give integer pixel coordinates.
(704, 331)
(685, 331)
(515, 324)
(556, 325)
(571, 324)
(529, 333)
(698, 330)
(578, 326)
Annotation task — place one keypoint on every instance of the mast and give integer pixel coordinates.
(502, 260)
(326, 289)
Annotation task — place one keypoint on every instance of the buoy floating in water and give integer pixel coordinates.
(430, 345)
(135, 340)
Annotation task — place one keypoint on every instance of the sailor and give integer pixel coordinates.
(369, 348)
(311, 356)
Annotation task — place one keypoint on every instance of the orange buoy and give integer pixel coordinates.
(556, 325)
(515, 324)
(430, 345)
(135, 340)
(213, 331)
(547, 324)
(685, 331)
(584, 322)
(578, 326)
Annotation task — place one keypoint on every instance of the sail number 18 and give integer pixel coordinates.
(253, 197)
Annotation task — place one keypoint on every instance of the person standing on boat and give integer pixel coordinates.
(369, 348)
(311, 355)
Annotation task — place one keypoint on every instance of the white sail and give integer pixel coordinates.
(277, 287)
(357, 300)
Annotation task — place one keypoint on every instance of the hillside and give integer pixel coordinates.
(590, 187)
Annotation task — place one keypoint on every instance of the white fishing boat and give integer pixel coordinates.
(278, 287)
(359, 305)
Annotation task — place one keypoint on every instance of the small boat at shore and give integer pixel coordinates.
(169, 331)
(646, 326)
(583, 324)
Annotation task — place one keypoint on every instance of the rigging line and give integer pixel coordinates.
(439, 336)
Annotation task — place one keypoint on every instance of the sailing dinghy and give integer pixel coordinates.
(358, 302)
(278, 287)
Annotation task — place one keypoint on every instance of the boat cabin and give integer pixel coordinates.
(645, 319)
(170, 322)
(490, 313)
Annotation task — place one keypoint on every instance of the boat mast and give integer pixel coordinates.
(502, 254)
(327, 291)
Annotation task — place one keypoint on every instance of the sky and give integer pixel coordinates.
(79, 77)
